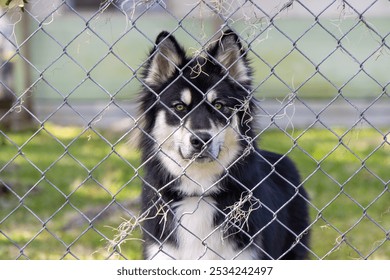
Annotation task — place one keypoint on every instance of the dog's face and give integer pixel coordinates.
(197, 110)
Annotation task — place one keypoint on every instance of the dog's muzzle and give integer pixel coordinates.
(202, 147)
(200, 141)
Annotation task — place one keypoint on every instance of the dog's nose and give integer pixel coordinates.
(199, 140)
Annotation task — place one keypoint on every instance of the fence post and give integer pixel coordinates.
(24, 119)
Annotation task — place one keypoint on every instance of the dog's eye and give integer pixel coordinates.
(180, 107)
(218, 105)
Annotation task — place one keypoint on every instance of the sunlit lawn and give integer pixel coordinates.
(60, 175)
(67, 184)
(347, 177)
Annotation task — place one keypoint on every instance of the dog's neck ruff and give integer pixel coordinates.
(198, 184)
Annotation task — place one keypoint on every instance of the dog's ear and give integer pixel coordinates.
(164, 59)
(231, 55)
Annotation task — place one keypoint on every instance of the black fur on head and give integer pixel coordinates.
(223, 65)
(168, 58)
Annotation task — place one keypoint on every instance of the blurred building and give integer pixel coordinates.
(7, 50)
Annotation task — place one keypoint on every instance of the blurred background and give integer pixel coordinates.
(69, 77)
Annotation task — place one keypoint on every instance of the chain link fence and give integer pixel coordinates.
(70, 178)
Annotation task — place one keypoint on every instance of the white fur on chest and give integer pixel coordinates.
(196, 234)
(198, 181)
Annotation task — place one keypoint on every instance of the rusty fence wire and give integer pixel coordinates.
(70, 71)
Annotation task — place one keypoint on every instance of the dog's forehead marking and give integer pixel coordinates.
(211, 96)
(186, 96)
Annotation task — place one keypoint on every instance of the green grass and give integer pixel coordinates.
(105, 58)
(346, 175)
(57, 173)
(56, 185)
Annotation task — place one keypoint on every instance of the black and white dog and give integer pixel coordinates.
(209, 192)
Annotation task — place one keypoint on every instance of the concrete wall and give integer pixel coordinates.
(259, 8)
(325, 8)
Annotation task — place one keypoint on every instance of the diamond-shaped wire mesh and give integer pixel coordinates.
(70, 178)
